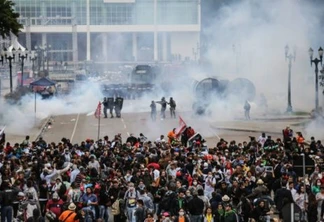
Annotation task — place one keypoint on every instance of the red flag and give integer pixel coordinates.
(182, 126)
(98, 111)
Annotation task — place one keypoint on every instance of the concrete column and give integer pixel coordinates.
(44, 39)
(74, 35)
(155, 32)
(199, 13)
(88, 32)
(28, 34)
(104, 37)
(135, 46)
(43, 12)
(165, 46)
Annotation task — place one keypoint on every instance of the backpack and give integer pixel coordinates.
(131, 202)
(115, 208)
(167, 200)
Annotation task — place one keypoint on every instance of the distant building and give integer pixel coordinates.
(112, 30)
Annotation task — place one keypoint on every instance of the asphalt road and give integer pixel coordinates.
(79, 127)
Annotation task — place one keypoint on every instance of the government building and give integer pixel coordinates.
(112, 30)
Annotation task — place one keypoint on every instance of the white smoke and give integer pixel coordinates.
(20, 118)
(260, 30)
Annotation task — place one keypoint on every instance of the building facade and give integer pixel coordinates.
(112, 30)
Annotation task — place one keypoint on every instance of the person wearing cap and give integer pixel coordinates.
(54, 205)
(69, 215)
(195, 208)
(260, 190)
(166, 217)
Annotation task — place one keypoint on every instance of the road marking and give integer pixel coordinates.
(211, 130)
(125, 126)
(75, 126)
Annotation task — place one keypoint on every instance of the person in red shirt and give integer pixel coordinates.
(55, 205)
(8, 149)
(190, 132)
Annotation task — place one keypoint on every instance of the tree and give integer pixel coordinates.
(8, 19)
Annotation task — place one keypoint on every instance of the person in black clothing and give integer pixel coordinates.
(163, 104)
(111, 105)
(105, 105)
(184, 138)
(153, 111)
(280, 195)
(179, 202)
(247, 108)
(261, 213)
(140, 211)
(131, 139)
(172, 104)
(312, 207)
(196, 208)
(102, 202)
(7, 197)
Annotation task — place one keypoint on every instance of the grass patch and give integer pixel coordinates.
(300, 113)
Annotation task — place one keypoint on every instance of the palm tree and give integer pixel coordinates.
(8, 19)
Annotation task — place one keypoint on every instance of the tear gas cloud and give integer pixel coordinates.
(248, 40)
(20, 118)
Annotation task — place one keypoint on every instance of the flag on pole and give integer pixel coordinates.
(97, 113)
(182, 126)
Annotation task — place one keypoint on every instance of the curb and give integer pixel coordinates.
(246, 130)
(43, 127)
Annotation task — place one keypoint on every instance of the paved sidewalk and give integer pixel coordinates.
(267, 126)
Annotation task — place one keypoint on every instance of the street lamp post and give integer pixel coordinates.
(43, 55)
(316, 61)
(290, 57)
(10, 57)
(33, 57)
(22, 58)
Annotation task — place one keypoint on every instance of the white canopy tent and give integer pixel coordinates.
(15, 45)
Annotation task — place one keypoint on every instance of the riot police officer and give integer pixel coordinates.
(105, 107)
(153, 111)
(172, 104)
(247, 108)
(163, 107)
(119, 106)
(111, 105)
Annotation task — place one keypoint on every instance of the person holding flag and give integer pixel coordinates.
(97, 114)
(172, 135)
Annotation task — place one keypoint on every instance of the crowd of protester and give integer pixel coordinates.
(167, 179)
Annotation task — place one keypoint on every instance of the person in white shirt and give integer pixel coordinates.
(292, 189)
(74, 173)
(301, 198)
(51, 175)
(210, 183)
(262, 139)
(160, 139)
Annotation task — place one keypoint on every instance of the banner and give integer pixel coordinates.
(98, 111)
(182, 126)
